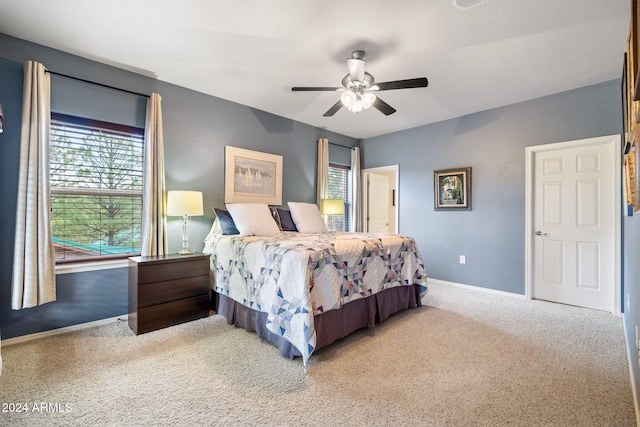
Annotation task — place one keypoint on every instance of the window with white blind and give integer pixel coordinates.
(96, 188)
(340, 188)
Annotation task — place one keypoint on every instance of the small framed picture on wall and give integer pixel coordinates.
(452, 189)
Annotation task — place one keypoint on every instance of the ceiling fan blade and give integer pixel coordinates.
(403, 84)
(315, 89)
(383, 107)
(334, 109)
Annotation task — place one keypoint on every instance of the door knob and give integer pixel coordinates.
(540, 233)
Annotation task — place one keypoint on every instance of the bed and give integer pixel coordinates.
(302, 291)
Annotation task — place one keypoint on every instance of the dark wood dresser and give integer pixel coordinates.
(166, 290)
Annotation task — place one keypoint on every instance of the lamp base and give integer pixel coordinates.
(185, 237)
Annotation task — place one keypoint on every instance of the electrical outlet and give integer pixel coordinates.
(463, 259)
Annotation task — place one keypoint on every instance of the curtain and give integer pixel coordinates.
(154, 216)
(34, 278)
(323, 170)
(356, 190)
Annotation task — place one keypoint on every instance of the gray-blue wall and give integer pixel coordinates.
(493, 142)
(197, 127)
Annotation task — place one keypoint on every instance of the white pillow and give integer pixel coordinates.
(216, 230)
(253, 219)
(307, 218)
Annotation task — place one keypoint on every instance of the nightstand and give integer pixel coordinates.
(166, 290)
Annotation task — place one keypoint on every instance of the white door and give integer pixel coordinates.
(377, 203)
(574, 227)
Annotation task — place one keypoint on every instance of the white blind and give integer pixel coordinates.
(96, 188)
(340, 188)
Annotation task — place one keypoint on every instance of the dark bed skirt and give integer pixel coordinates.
(331, 325)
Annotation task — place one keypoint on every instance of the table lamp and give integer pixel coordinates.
(332, 207)
(185, 204)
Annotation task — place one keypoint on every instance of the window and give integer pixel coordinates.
(340, 188)
(96, 188)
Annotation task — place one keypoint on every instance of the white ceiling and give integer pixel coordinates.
(476, 57)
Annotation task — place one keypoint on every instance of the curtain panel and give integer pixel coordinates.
(154, 205)
(356, 190)
(34, 279)
(323, 170)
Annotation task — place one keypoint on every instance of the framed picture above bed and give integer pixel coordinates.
(252, 177)
(452, 189)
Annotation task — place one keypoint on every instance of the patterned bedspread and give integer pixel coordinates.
(295, 276)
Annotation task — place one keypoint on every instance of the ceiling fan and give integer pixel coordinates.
(358, 87)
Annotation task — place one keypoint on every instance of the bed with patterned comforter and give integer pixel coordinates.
(295, 276)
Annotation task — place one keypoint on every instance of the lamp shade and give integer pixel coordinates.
(348, 98)
(181, 203)
(332, 206)
(368, 99)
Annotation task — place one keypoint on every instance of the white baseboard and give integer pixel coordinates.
(59, 331)
(474, 288)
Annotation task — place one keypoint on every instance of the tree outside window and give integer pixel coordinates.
(96, 188)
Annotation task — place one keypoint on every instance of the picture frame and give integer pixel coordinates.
(625, 104)
(630, 178)
(452, 189)
(252, 177)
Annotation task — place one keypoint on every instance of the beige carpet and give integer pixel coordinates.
(467, 358)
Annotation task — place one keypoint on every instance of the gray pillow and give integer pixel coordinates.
(285, 220)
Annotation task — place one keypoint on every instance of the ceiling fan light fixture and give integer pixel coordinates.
(358, 84)
(357, 102)
(368, 99)
(356, 107)
(348, 98)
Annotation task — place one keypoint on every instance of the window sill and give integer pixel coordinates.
(91, 266)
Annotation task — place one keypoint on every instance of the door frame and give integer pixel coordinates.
(365, 194)
(614, 143)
